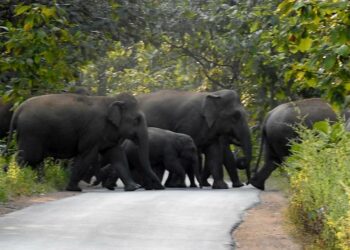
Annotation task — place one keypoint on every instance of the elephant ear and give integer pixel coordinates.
(210, 108)
(115, 112)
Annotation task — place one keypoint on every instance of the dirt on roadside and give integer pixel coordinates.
(22, 202)
(264, 227)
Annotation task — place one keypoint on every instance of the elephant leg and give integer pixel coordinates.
(30, 152)
(190, 174)
(205, 174)
(214, 162)
(173, 165)
(271, 163)
(170, 179)
(120, 165)
(159, 171)
(78, 169)
(175, 180)
(230, 165)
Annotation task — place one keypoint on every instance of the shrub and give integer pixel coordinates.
(320, 179)
(18, 181)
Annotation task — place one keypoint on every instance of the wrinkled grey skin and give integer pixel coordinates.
(69, 125)
(170, 151)
(5, 117)
(347, 125)
(277, 130)
(6, 111)
(205, 117)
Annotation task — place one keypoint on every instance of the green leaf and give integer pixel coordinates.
(28, 23)
(21, 9)
(322, 126)
(48, 12)
(343, 50)
(305, 44)
(329, 62)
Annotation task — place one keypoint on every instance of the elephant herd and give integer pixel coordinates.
(137, 138)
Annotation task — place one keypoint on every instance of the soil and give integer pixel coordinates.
(264, 227)
(22, 202)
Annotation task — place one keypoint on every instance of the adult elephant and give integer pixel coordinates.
(278, 130)
(205, 117)
(69, 125)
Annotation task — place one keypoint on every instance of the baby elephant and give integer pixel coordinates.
(170, 151)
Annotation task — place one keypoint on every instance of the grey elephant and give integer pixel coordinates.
(170, 151)
(69, 125)
(278, 130)
(205, 117)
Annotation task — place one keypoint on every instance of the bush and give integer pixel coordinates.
(18, 181)
(320, 179)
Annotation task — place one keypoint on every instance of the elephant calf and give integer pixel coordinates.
(277, 131)
(170, 151)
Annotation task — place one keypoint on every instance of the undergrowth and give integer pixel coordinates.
(319, 170)
(16, 181)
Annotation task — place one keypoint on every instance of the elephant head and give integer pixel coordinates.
(126, 115)
(225, 114)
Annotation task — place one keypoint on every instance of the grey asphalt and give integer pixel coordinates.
(178, 219)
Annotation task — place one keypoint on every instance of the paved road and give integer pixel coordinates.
(178, 219)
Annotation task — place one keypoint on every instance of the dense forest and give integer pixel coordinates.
(270, 51)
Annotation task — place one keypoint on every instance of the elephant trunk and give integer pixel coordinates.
(141, 140)
(244, 137)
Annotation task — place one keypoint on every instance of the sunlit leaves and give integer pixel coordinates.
(36, 58)
(320, 31)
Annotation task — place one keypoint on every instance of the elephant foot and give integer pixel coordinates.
(158, 186)
(131, 187)
(74, 188)
(175, 185)
(87, 180)
(193, 185)
(96, 182)
(257, 184)
(148, 187)
(205, 183)
(112, 188)
(219, 185)
(237, 184)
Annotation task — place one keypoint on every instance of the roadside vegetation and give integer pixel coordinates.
(18, 181)
(319, 172)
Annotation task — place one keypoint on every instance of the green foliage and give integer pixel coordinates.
(35, 56)
(24, 181)
(320, 179)
(317, 33)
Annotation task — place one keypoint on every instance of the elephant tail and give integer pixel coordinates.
(13, 125)
(260, 150)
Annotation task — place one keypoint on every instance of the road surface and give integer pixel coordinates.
(178, 219)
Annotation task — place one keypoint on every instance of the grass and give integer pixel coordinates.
(18, 181)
